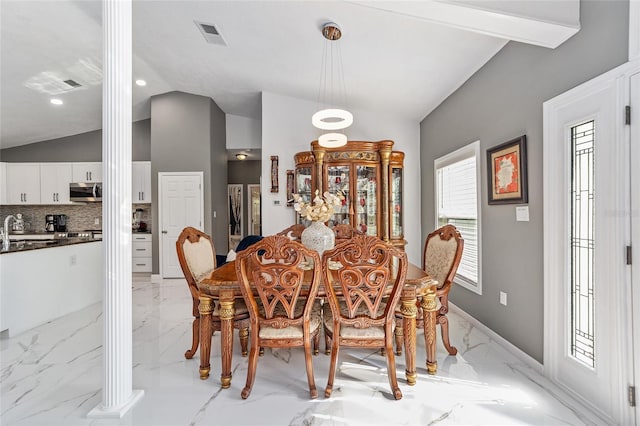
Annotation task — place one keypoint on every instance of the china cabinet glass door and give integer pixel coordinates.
(303, 187)
(396, 202)
(366, 200)
(339, 178)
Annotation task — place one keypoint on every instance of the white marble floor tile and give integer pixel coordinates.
(51, 375)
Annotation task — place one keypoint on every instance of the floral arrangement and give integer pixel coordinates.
(322, 208)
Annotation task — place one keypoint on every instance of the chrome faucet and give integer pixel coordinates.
(5, 240)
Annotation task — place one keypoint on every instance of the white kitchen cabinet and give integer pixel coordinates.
(54, 183)
(141, 182)
(3, 183)
(23, 183)
(141, 252)
(87, 172)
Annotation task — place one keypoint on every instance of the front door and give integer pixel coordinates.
(181, 205)
(588, 338)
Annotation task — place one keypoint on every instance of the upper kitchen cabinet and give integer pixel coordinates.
(54, 183)
(369, 174)
(23, 183)
(87, 172)
(141, 182)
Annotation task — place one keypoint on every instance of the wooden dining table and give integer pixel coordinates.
(222, 286)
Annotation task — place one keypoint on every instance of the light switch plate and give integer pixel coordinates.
(522, 214)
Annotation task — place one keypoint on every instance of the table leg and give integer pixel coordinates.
(227, 311)
(206, 308)
(409, 309)
(429, 313)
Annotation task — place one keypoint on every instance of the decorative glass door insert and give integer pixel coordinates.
(582, 243)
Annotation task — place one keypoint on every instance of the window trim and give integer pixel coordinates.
(467, 151)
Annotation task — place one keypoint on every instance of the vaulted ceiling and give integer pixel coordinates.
(401, 58)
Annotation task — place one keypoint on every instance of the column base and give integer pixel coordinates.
(102, 412)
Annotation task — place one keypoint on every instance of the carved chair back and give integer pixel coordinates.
(442, 254)
(344, 231)
(294, 232)
(197, 257)
(271, 274)
(370, 287)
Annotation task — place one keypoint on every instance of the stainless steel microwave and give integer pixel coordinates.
(85, 191)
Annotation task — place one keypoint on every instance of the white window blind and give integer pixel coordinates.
(456, 179)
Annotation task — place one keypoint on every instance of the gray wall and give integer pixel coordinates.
(219, 230)
(182, 140)
(244, 172)
(80, 147)
(503, 100)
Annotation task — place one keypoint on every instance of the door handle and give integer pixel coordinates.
(164, 232)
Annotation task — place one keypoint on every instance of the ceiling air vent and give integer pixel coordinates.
(72, 83)
(211, 33)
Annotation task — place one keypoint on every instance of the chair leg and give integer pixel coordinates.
(327, 343)
(313, 392)
(399, 335)
(195, 339)
(391, 369)
(252, 366)
(444, 328)
(316, 343)
(243, 333)
(335, 349)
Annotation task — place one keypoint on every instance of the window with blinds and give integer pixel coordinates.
(456, 192)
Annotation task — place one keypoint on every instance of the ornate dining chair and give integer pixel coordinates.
(441, 257)
(344, 231)
(363, 280)
(271, 274)
(197, 257)
(294, 232)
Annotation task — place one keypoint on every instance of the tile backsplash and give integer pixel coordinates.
(79, 216)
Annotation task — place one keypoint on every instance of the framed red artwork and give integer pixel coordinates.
(507, 172)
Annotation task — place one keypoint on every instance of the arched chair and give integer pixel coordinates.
(294, 232)
(282, 304)
(441, 257)
(345, 232)
(363, 286)
(197, 257)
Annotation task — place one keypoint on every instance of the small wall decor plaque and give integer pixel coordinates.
(507, 172)
(274, 173)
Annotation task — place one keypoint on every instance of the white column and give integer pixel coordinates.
(117, 394)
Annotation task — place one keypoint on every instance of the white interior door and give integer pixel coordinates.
(586, 228)
(181, 205)
(253, 203)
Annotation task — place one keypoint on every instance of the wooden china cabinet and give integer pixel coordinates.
(370, 176)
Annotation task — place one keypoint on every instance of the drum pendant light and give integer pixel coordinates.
(331, 81)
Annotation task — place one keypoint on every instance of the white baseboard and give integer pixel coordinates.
(515, 351)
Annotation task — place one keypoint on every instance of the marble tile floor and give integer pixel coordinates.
(51, 375)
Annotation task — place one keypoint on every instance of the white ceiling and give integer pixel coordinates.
(398, 58)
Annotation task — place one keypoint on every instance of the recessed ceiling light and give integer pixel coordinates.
(56, 101)
(241, 156)
(140, 82)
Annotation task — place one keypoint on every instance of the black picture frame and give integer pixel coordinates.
(507, 172)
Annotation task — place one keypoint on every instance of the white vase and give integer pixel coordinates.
(318, 237)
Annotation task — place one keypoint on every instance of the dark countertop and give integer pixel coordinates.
(19, 246)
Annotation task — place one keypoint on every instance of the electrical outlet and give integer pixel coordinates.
(96, 221)
(276, 202)
(73, 260)
(503, 298)
(215, 214)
